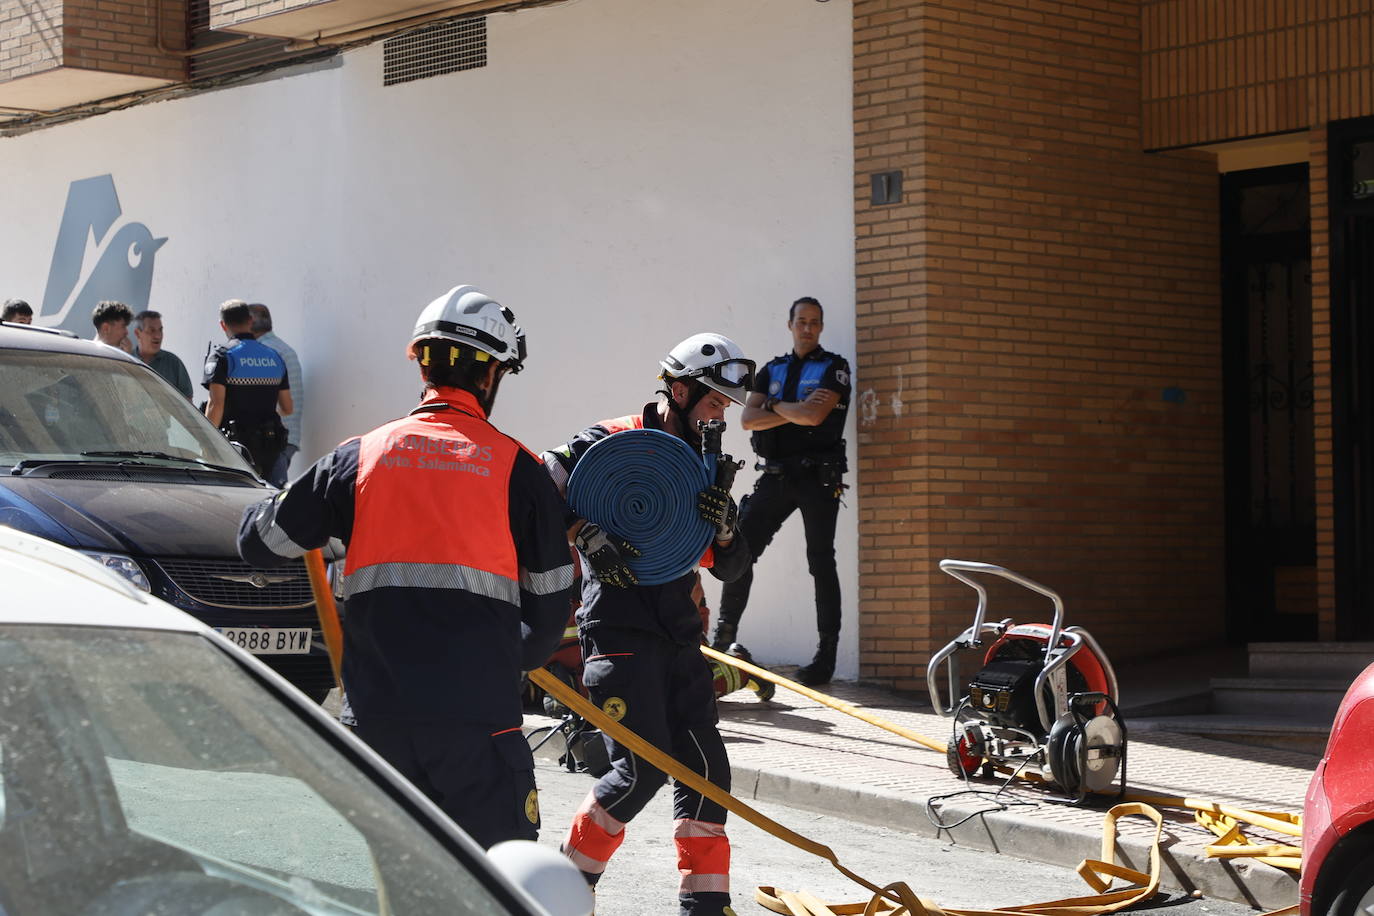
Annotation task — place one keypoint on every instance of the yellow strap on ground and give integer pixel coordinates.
(327, 611)
(896, 899)
(1097, 872)
(1223, 820)
(1231, 842)
(824, 699)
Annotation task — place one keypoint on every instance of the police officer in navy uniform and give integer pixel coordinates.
(457, 574)
(797, 414)
(641, 644)
(250, 390)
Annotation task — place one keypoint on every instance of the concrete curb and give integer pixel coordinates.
(1024, 836)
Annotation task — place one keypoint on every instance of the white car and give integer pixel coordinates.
(149, 766)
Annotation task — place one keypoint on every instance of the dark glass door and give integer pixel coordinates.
(1269, 421)
(1351, 149)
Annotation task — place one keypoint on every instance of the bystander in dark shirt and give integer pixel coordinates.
(169, 366)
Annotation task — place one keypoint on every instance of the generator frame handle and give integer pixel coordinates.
(973, 636)
(958, 568)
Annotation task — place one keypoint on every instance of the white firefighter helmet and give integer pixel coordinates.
(468, 316)
(714, 360)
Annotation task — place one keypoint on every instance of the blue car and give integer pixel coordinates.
(100, 454)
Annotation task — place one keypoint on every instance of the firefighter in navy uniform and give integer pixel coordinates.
(641, 645)
(457, 575)
(797, 414)
(249, 388)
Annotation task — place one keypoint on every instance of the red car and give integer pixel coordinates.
(1338, 815)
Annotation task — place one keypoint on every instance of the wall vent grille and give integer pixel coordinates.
(448, 47)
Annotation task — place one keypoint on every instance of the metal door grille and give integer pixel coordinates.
(448, 47)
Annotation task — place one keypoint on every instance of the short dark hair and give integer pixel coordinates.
(146, 315)
(450, 365)
(262, 318)
(108, 310)
(235, 313)
(805, 300)
(16, 307)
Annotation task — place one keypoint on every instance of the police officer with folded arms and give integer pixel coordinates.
(457, 574)
(250, 390)
(797, 414)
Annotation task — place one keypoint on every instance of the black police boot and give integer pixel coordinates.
(725, 635)
(822, 667)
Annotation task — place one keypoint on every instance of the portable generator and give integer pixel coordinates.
(1043, 702)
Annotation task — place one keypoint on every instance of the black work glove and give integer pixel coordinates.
(717, 507)
(604, 552)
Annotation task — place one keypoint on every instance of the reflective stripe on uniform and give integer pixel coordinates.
(273, 538)
(703, 856)
(593, 837)
(451, 471)
(558, 473)
(546, 583)
(432, 575)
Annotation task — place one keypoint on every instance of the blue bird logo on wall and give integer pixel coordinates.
(97, 256)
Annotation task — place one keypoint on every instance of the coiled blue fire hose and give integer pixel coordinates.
(642, 485)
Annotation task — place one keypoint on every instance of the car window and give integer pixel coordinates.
(59, 405)
(145, 763)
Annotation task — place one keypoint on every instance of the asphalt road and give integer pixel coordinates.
(642, 878)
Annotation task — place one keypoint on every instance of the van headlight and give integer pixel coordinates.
(125, 566)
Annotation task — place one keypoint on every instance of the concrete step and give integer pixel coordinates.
(1328, 660)
(1256, 731)
(1310, 699)
(1182, 702)
(1177, 684)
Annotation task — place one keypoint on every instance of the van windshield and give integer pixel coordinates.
(72, 407)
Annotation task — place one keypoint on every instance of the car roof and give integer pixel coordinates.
(33, 337)
(48, 583)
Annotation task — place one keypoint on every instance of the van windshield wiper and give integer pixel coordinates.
(165, 456)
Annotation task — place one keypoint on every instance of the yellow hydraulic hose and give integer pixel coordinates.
(1222, 820)
(895, 899)
(327, 611)
(823, 699)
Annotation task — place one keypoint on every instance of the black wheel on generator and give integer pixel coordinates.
(961, 761)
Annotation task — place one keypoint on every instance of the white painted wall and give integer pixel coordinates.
(622, 174)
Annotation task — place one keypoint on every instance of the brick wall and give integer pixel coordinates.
(1038, 332)
(121, 36)
(1219, 69)
(30, 37)
(226, 13)
(113, 36)
(1318, 173)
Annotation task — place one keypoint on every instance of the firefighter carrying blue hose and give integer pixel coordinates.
(641, 643)
(457, 574)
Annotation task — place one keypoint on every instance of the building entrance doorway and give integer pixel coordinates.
(1267, 381)
(1351, 151)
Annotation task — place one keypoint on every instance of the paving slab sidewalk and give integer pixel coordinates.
(799, 752)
